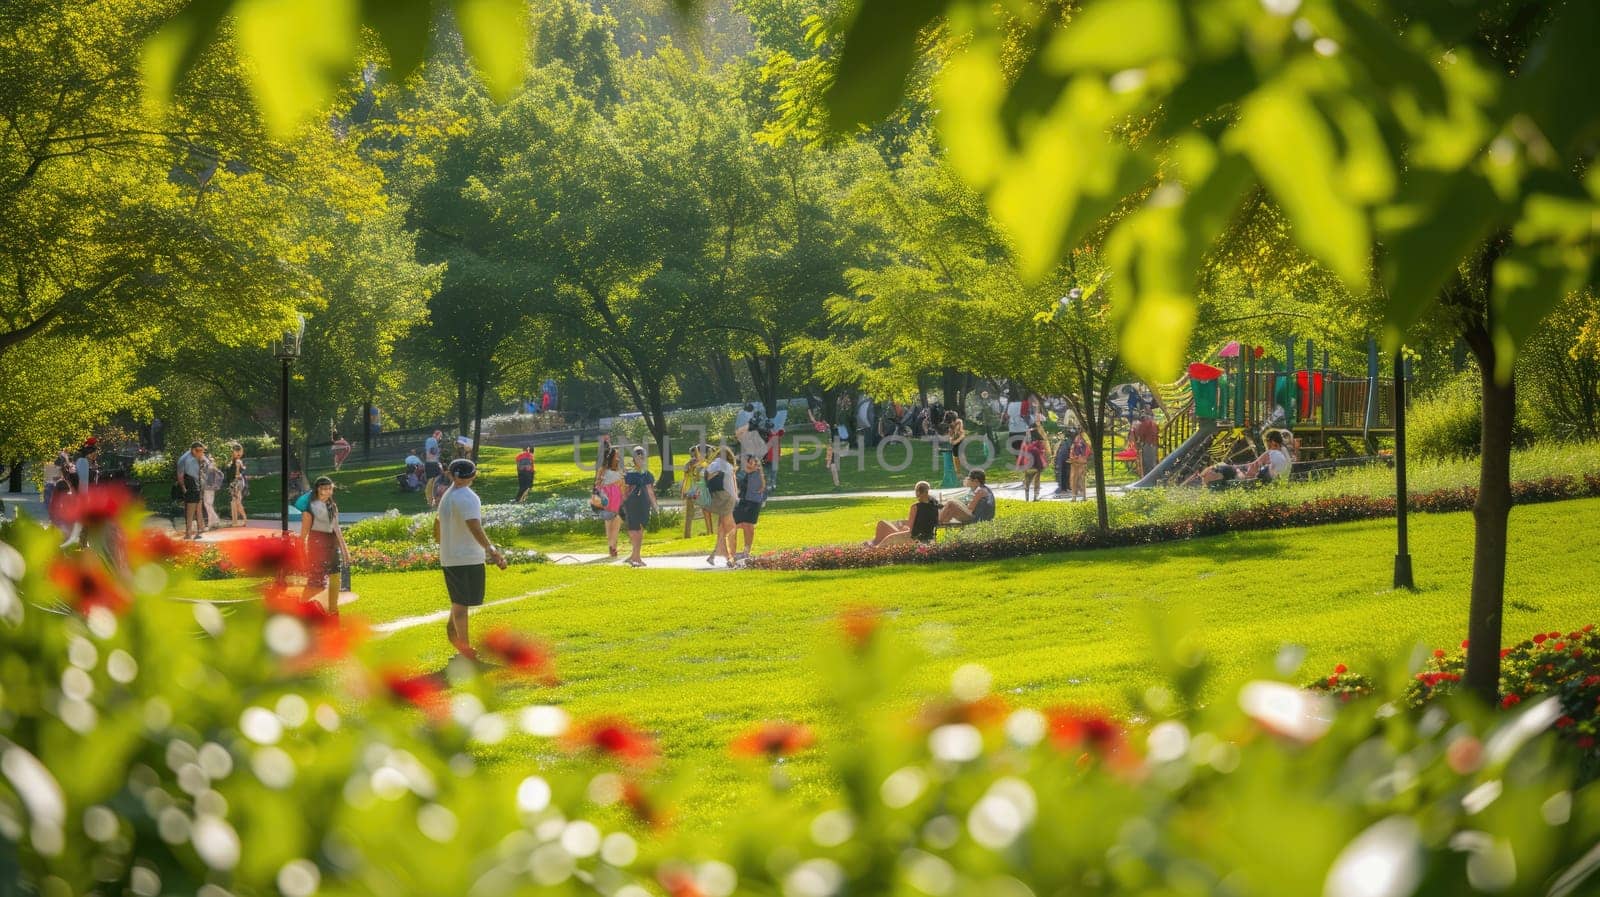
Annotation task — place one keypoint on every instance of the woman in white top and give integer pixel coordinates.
(324, 544)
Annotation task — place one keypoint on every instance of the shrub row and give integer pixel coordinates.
(1337, 509)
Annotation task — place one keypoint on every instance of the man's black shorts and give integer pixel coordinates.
(465, 584)
(191, 490)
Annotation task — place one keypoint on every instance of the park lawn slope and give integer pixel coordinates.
(697, 656)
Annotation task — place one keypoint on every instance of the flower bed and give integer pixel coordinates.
(1564, 666)
(503, 521)
(368, 557)
(988, 542)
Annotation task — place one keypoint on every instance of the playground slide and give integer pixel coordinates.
(1199, 442)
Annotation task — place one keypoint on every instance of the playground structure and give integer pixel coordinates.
(1220, 413)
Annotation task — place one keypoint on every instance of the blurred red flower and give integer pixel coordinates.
(1539, 639)
(1586, 741)
(523, 655)
(1510, 701)
(1341, 669)
(1438, 652)
(96, 506)
(612, 737)
(1565, 722)
(1078, 728)
(85, 584)
(773, 739)
(426, 693)
(644, 809)
(157, 545)
(986, 711)
(859, 624)
(267, 556)
(678, 882)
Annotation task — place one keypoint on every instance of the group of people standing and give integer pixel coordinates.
(197, 480)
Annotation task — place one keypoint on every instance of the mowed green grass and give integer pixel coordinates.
(697, 656)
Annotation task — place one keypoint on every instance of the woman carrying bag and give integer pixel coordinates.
(323, 539)
(606, 496)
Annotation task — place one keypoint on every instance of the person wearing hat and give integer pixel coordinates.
(464, 548)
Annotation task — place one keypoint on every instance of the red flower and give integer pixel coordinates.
(156, 545)
(1539, 639)
(678, 882)
(613, 737)
(85, 584)
(1464, 643)
(1438, 652)
(1341, 669)
(1510, 700)
(426, 693)
(1586, 741)
(859, 625)
(521, 654)
(1504, 652)
(1072, 729)
(1591, 681)
(772, 740)
(1556, 634)
(1565, 722)
(289, 602)
(96, 507)
(1334, 679)
(266, 556)
(1588, 627)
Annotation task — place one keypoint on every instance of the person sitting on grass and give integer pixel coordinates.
(979, 506)
(921, 519)
(1272, 464)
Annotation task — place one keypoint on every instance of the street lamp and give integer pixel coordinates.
(287, 350)
(1402, 555)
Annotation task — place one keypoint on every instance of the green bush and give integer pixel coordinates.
(154, 468)
(1449, 422)
(158, 746)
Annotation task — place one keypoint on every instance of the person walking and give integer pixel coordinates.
(1078, 461)
(524, 473)
(720, 486)
(187, 471)
(211, 480)
(341, 450)
(639, 484)
(694, 484)
(752, 495)
(608, 487)
(323, 541)
(830, 460)
(464, 549)
(1034, 460)
(234, 482)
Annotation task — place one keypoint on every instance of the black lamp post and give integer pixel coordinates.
(1402, 556)
(286, 351)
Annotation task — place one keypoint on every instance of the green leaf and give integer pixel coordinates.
(1292, 149)
(1397, 65)
(1208, 87)
(880, 47)
(1528, 282)
(1562, 67)
(1113, 35)
(298, 50)
(403, 25)
(172, 51)
(496, 34)
(1444, 218)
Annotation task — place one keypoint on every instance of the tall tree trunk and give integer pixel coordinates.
(656, 418)
(366, 428)
(463, 422)
(15, 483)
(1491, 514)
(477, 419)
(1095, 423)
(723, 380)
(951, 383)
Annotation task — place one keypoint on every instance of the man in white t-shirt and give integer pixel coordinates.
(463, 550)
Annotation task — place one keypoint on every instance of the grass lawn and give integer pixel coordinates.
(371, 487)
(696, 656)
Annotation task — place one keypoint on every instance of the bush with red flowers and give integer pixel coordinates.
(989, 543)
(1562, 665)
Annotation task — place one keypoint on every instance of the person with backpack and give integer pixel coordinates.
(211, 480)
(639, 486)
(1033, 460)
(752, 496)
(720, 500)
